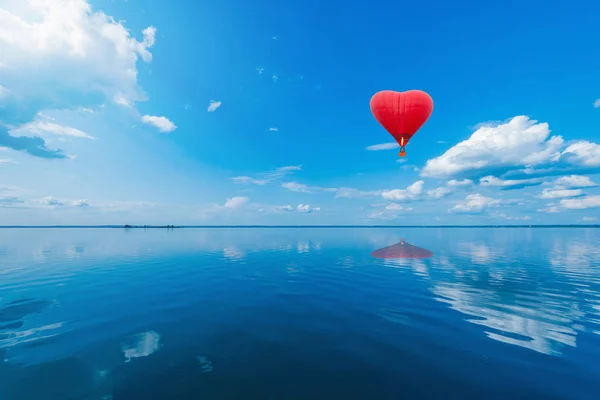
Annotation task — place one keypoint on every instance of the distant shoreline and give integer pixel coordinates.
(283, 226)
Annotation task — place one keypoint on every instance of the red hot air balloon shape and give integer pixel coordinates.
(401, 113)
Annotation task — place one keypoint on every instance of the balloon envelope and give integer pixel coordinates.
(402, 250)
(402, 114)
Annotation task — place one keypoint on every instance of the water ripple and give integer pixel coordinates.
(260, 308)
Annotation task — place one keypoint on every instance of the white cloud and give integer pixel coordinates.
(273, 129)
(397, 207)
(63, 44)
(51, 201)
(306, 208)
(560, 193)
(493, 181)
(43, 128)
(451, 186)
(267, 177)
(455, 183)
(549, 209)
(412, 192)
(589, 219)
(236, 202)
(573, 181)
(162, 123)
(275, 78)
(81, 203)
(440, 192)
(582, 203)
(475, 203)
(296, 187)
(520, 141)
(383, 146)
(303, 208)
(213, 105)
(597, 103)
(583, 153)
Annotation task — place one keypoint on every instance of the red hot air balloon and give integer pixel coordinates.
(401, 113)
(402, 250)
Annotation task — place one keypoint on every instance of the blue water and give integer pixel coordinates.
(299, 314)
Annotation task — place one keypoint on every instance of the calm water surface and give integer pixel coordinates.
(298, 314)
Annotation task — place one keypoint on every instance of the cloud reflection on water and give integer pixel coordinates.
(537, 303)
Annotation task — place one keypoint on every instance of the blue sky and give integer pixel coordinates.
(139, 112)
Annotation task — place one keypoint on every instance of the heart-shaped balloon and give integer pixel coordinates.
(402, 114)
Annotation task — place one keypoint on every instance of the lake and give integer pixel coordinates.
(302, 313)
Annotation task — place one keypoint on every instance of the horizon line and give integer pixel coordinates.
(112, 226)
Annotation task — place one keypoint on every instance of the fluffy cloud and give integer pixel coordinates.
(383, 146)
(520, 141)
(63, 44)
(451, 186)
(440, 192)
(213, 105)
(81, 203)
(573, 181)
(583, 153)
(236, 202)
(57, 53)
(306, 208)
(397, 207)
(273, 129)
(162, 123)
(412, 192)
(579, 203)
(508, 183)
(43, 128)
(456, 183)
(597, 103)
(296, 187)
(566, 187)
(475, 204)
(267, 177)
(589, 219)
(301, 208)
(582, 203)
(51, 201)
(560, 193)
